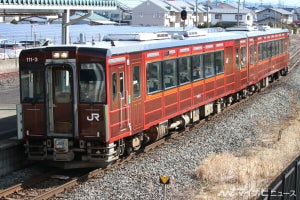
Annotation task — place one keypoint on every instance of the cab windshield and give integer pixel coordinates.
(92, 83)
(32, 85)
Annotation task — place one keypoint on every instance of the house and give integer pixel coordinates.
(166, 13)
(123, 13)
(154, 13)
(243, 17)
(276, 16)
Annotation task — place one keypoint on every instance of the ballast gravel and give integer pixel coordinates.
(178, 159)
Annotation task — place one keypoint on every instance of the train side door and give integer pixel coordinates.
(136, 106)
(60, 102)
(229, 68)
(237, 68)
(119, 115)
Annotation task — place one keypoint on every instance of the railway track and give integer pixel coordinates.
(32, 189)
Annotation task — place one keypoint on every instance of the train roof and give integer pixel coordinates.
(177, 39)
(116, 44)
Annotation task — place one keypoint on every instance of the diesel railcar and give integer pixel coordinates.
(87, 105)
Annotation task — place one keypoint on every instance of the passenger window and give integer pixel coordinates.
(260, 52)
(153, 77)
(269, 49)
(264, 51)
(197, 63)
(209, 65)
(273, 48)
(184, 66)
(219, 62)
(136, 81)
(169, 74)
(276, 47)
(252, 54)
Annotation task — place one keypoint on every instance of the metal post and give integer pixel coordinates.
(283, 186)
(207, 15)
(196, 13)
(296, 179)
(165, 192)
(65, 27)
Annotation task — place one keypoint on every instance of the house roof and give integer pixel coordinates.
(94, 18)
(131, 3)
(279, 10)
(181, 5)
(161, 4)
(230, 11)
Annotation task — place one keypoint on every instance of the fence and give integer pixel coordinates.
(286, 186)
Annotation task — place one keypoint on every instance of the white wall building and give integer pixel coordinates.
(244, 17)
(165, 13)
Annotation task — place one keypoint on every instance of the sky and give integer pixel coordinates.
(294, 3)
(274, 3)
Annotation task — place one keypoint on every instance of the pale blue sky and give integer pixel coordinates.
(276, 2)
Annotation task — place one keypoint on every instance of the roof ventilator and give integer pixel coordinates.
(137, 36)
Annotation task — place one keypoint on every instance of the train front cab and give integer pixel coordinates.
(64, 106)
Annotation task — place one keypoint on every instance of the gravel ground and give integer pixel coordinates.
(234, 129)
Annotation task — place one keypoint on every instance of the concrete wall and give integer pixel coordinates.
(12, 157)
(9, 65)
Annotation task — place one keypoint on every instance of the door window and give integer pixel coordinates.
(62, 89)
(114, 85)
(136, 81)
(122, 84)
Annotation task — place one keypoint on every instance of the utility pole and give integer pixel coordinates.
(207, 14)
(196, 13)
(238, 16)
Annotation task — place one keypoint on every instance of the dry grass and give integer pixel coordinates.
(228, 176)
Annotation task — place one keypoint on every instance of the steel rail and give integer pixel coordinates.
(20, 186)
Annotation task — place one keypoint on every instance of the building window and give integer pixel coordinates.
(218, 16)
(240, 17)
(141, 14)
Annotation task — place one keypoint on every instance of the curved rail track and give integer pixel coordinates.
(30, 189)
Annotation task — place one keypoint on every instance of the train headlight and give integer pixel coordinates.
(60, 54)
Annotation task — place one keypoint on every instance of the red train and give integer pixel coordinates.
(87, 105)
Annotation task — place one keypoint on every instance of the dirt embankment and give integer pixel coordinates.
(246, 174)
